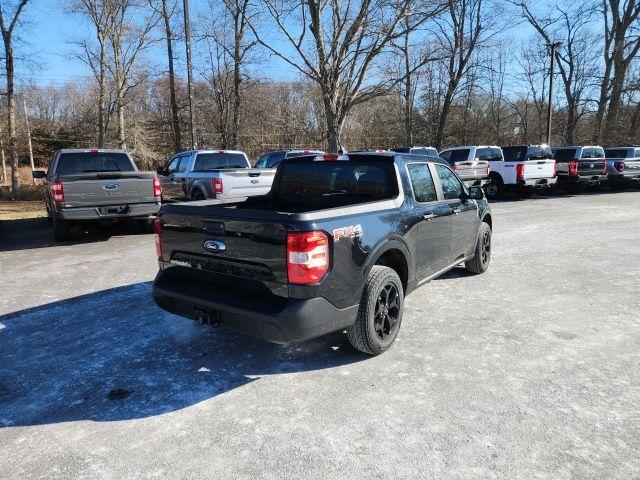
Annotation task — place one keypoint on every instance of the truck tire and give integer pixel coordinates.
(197, 195)
(495, 187)
(380, 313)
(61, 229)
(480, 261)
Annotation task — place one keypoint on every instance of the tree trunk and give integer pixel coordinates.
(11, 121)
(122, 142)
(175, 120)
(334, 125)
(237, 79)
(442, 121)
(617, 86)
(571, 123)
(102, 93)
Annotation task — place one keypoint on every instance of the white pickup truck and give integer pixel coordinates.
(219, 174)
(520, 168)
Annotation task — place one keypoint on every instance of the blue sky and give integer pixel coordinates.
(47, 36)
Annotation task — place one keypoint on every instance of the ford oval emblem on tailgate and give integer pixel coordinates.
(255, 182)
(214, 246)
(111, 186)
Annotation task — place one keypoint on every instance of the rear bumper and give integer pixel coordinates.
(583, 179)
(274, 319)
(624, 178)
(108, 211)
(537, 182)
(476, 183)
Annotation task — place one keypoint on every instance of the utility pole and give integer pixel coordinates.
(26, 120)
(187, 40)
(554, 47)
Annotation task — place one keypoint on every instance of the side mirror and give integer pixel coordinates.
(37, 174)
(475, 193)
(160, 171)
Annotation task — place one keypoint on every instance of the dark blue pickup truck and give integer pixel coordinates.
(337, 244)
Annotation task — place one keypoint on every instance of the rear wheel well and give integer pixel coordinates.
(396, 260)
(487, 219)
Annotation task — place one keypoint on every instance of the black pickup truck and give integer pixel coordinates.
(337, 244)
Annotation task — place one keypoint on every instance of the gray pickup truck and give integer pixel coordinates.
(219, 174)
(623, 167)
(96, 185)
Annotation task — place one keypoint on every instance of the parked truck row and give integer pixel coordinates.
(309, 243)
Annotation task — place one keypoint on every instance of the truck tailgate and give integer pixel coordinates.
(117, 188)
(246, 249)
(631, 168)
(246, 182)
(591, 166)
(534, 169)
(472, 170)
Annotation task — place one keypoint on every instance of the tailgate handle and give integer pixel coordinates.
(254, 174)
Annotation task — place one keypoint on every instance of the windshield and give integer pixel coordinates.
(617, 153)
(327, 179)
(216, 161)
(88, 162)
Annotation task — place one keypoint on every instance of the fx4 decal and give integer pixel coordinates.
(351, 231)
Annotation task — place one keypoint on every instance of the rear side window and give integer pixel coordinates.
(335, 179)
(637, 154)
(565, 154)
(483, 153)
(216, 161)
(423, 188)
(496, 155)
(262, 161)
(86, 162)
(514, 154)
(275, 159)
(451, 186)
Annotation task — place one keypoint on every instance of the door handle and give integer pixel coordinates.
(429, 216)
(457, 211)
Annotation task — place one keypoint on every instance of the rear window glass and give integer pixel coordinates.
(453, 156)
(539, 153)
(216, 161)
(85, 162)
(425, 151)
(592, 153)
(514, 154)
(565, 154)
(616, 153)
(335, 179)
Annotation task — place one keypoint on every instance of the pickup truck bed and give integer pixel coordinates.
(292, 265)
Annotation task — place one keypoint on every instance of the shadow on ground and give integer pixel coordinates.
(113, 355)
(31, 233)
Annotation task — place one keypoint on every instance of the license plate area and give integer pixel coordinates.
(116, 210)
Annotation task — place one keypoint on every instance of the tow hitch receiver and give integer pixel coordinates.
(208, 318)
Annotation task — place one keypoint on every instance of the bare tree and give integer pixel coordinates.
(7, 26)
(459, 34)
(129, 36)
(575, 57)
(234, 43)
(166, 10)
(621, 46)
(497, 73)
(101, 14)
(336, 45)
(413, 54)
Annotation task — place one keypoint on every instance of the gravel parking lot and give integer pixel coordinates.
(531, 370)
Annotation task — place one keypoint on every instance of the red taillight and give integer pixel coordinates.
(307, 257)
(555, 169)
(619, 166)
(94, 151)
(488, 169)
(604, 168)
(158, 230)
(455, 168)
(157, 188)
(520, 171)
(573, 168)
(57, 192)
(217, 185)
